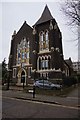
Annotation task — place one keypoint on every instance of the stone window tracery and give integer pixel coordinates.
(44, 40)
(43, 62)
(23, 50)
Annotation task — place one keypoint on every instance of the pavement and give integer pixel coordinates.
(71, 100)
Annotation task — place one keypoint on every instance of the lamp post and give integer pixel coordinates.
(34, 85)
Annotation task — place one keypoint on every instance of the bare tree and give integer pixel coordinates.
(71, 9)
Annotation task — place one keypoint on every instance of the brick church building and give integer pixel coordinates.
(36, 52)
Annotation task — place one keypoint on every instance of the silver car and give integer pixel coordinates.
(46, 84)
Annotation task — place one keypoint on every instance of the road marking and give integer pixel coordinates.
(56, 105)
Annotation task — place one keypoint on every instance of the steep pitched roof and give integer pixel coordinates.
(24, 30)
(46, 16)
(24, 26)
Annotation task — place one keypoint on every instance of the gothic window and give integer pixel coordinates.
(27, 54)
(43, 40)
(41, 36)
(46, 63)
(46, 40)
(23, 51)
(46, 36)
(23, 55)
(43, 62)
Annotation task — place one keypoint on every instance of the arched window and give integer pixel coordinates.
(46, 36)
(46, 64)
(23, 50)
(41, 40)
(41, 36)
(27, 54)
(23, 55)
(44, 41)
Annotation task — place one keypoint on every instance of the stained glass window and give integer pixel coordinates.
(23, 51)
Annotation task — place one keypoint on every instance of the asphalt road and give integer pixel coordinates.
(17, 108)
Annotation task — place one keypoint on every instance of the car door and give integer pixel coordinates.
(41, 83)
(46, 84)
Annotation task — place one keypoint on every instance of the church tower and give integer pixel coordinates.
(47, 48)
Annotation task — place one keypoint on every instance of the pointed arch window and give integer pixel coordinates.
(46, 36)
(44, 40)
(43, 62)
(23, 51)
(41, 36)
(41, 40)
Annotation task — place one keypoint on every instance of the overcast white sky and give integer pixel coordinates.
(14, 14)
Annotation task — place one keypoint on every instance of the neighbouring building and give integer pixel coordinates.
(76, 67)
(68, 67)
(36, 52)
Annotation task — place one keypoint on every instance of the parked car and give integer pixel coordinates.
(46, 84)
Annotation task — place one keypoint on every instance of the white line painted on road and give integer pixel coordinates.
(56, 105)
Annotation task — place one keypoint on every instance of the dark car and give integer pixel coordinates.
(46, 84)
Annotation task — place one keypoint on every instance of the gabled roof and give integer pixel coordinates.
(24, 30)
(46, 16)
(24, 26)
(69, 62)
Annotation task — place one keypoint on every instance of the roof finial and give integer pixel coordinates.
(14, 33)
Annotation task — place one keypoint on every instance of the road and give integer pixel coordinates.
(17, 108)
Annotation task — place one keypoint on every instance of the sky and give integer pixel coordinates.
(13, 15)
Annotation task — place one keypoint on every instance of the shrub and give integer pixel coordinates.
(68, 81)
